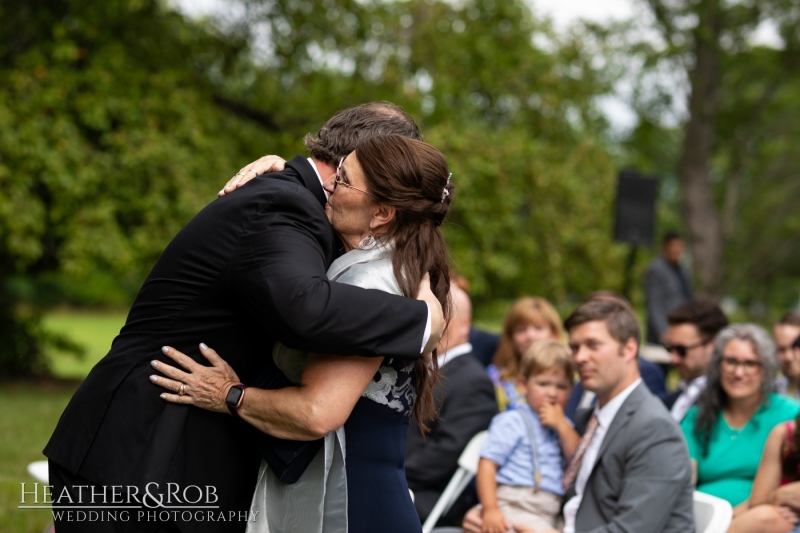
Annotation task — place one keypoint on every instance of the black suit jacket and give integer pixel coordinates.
(245, 272)
(467, 404)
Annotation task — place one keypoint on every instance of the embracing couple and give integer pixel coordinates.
(234, 390)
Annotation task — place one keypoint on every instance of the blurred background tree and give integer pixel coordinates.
(119, 120)
(731, 151)
(111, 140)
(512, 105)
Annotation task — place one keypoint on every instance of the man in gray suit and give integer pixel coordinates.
(631, 471)
(667, 285)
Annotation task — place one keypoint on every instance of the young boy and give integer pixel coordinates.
(518, 483)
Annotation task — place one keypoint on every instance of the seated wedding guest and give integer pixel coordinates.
(689, 339)
(727, 427)
(520, 471)
(785, 332)
(651, 373)
(652, 376)
(767, 511)
(466, 405)
(484, 343)
(631, 471)
(529, 319)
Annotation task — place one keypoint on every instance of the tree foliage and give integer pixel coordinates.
(110, 141)
(731, 153)
(120, 119)
(512, 106)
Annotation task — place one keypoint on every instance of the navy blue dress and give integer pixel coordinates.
(375, 434)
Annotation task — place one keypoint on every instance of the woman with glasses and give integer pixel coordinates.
(387, 201)
(728, 426)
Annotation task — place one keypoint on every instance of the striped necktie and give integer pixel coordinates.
(571, 472)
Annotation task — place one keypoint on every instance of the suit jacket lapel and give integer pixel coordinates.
(624, 414)
(309, 177)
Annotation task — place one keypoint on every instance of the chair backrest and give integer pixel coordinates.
(39, 470)
(711, 514)
(471, 456)
(467, 468)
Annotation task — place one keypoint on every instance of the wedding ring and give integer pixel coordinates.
(182, 390)
(253, 171)
(240, 174)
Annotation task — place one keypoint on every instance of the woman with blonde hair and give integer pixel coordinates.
(529, 319)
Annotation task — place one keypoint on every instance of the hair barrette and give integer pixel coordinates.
(445, 192)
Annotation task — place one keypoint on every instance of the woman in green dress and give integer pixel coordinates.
(727, 429)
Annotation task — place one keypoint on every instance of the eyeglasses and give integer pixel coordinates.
(730, 364)
(337, 180)
(681, 349)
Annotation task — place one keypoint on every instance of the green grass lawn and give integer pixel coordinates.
(30, 413)
(31, 410)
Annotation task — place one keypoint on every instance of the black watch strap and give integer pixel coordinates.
(234, 398)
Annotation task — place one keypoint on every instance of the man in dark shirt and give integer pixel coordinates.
(667, 285)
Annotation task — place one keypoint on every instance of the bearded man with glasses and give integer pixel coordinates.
(689, 339)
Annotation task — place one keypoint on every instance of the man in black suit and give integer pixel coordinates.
(245, 272)
(467, 404)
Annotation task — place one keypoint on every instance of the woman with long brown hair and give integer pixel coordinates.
(387, 202)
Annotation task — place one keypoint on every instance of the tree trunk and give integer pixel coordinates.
(703, 219)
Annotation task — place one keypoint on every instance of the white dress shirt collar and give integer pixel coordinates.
(321, 181)
(606, 414)
(452, 353)
(696, 383)
(689, 394)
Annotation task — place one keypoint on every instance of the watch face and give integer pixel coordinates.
(234, 395)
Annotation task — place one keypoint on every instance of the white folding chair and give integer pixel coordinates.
(467, 468)
(39, 470)
(711, 514)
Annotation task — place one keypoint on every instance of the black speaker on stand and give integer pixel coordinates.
(635, 216)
